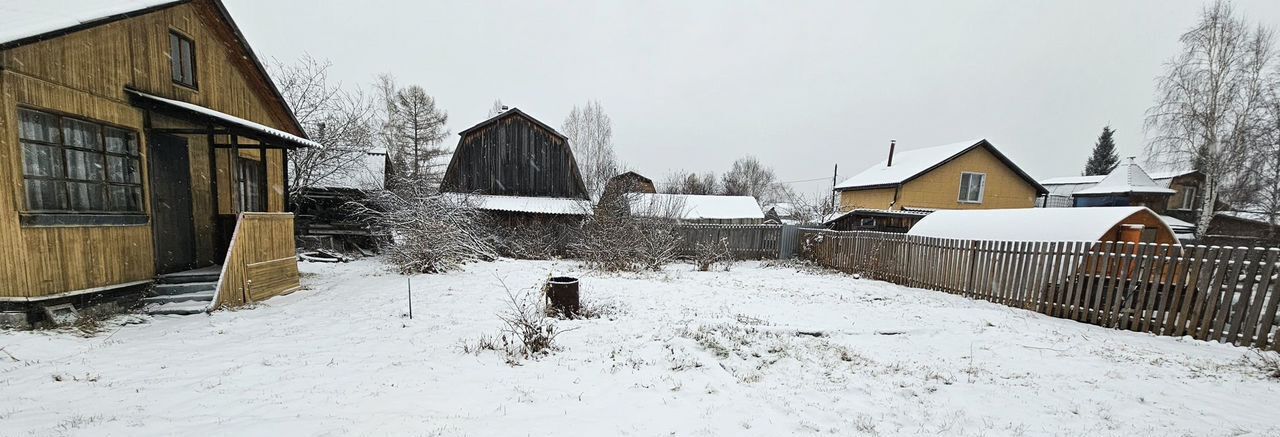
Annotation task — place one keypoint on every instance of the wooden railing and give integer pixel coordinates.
(1227, 294)
(261, 261)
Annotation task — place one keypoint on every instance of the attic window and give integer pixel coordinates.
(182, 59)
(972, 186)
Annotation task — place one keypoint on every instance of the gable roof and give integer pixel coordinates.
(910, 164)
(1128, 177)
(25, 22)
(510, 113)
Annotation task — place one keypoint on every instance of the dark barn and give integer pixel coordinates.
(513, 154)
(523, 173)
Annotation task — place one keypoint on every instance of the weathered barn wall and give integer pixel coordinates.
(514, 156)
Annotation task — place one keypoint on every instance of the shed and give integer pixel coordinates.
(1045, 224)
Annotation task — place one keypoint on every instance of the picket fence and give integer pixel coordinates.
(1227, 294)
(745, 241)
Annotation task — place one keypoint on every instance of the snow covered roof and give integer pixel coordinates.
(1128, 177)
(908, 164)
(1073, 180)
(1259, 217)
(23, 19)
(1069, 185)
(509, 113)
(230, 119)
(537, 205)
(1027, 224)
(694, 207)
(365, 173)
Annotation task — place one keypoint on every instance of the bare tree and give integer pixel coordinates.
(590, 133)
(1208, 100)
(1265, 168)
(748, 177)
(339, 118)
(691, 183)
(497, 108)
(413, 128)
(813, 208)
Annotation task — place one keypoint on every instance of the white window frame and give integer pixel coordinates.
(1189, 193)
(982, 188)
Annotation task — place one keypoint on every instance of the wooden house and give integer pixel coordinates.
(518, 169)
(966, 175)
(1172, 193)
(139, 138)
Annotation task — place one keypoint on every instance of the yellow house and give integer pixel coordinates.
(139, 139)
(966, 175)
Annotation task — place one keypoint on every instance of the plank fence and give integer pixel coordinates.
(745, 241)
(1227, 294)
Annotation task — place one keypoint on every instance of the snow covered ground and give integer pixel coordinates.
(681, 353)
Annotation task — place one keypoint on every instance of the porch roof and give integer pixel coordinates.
(235, 123)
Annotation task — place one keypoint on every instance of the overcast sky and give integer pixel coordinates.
(800, 85)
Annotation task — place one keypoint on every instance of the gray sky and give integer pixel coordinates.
(801, 85)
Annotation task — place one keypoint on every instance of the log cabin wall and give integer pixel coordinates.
(84, 74)
(514, 156)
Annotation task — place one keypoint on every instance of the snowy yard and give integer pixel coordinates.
(680, 353)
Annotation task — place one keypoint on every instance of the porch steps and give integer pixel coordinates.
(182, 293)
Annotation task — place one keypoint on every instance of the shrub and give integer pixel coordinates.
(709, 254)
(614, 239)
(430, 233)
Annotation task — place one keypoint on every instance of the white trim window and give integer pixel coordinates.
(972, 187)
(1189, 197)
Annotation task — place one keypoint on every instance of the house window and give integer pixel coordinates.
(249, 183)
(972, 186)
(1188, 198)
(182, 59)
(72, 165)
(867, 222)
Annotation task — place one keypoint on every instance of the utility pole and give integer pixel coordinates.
(835, 171)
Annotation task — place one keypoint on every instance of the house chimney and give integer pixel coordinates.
(504, 108)
(893, 144)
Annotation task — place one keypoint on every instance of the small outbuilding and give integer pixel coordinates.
(1121, 223)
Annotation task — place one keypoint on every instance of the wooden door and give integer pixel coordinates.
(172, 222)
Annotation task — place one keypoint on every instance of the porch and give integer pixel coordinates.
(221, 230)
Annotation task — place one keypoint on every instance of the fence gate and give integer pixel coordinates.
(790, 242)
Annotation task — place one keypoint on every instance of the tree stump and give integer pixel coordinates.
(562, 293)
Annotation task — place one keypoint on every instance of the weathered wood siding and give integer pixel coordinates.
(84, 74)
(514, 157)
(261, 262)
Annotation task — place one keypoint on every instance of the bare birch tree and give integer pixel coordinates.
(590, 133)
(1266, 167)
(338, 117)
(1208, 100)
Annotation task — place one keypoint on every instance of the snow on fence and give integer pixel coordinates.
(1228, 294)
(745, 241)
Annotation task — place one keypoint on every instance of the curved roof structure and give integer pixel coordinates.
(1035, 224)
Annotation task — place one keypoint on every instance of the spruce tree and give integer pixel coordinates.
(1104, 158)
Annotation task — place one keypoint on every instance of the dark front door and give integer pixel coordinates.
(172, 222)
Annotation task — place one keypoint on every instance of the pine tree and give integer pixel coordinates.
(1104, 158)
